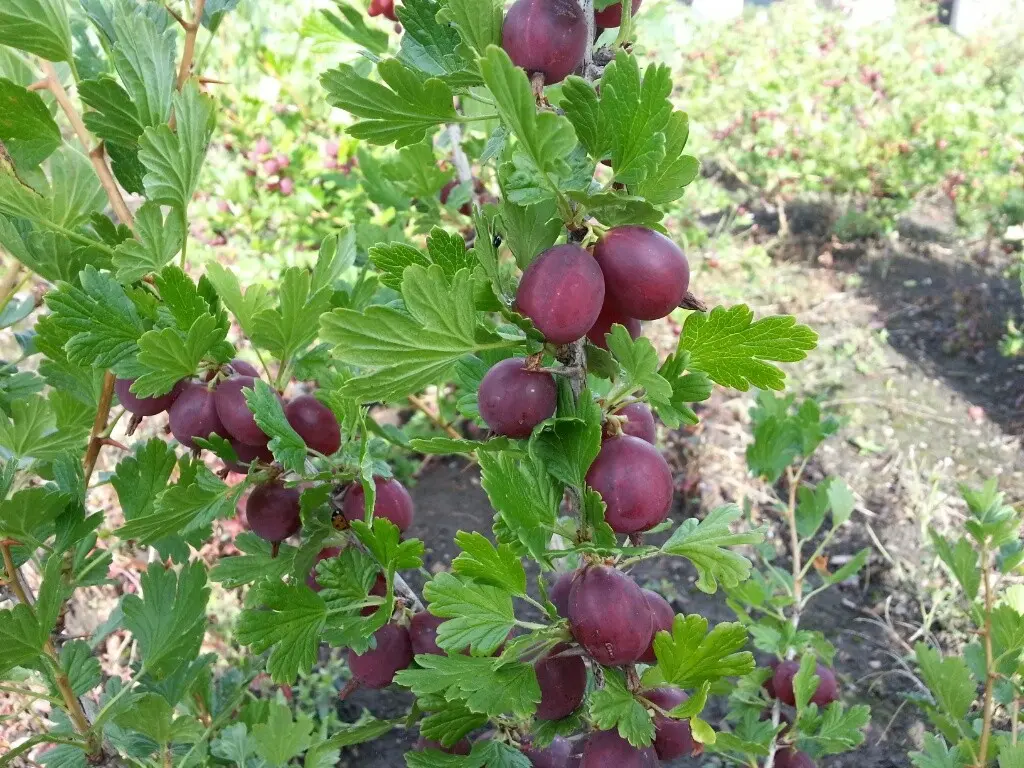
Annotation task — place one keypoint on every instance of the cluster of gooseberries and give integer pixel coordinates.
(611, 620)
(633, 274)
(216, 406)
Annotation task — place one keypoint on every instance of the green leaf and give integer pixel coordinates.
(635, 113)
(391, 259)
(291, 327)
(937, 755)
(665, 183)
(948, 679)
(400, 111)
(37, 26)
(812, 504)
(451, 724)
(81, 667)
(485, 686)
(776, 444)
(1007, 636)
(144, 56)
(383, 540)
(346, 580)
(214, 12)
(140, 477)
(706, 544)
(183, 300)
(840, 500)
(615, 208)
(256, 562)
(614, 706)
(21, 639)
(687, 388)
(415, 166)
(280, 738)
(482, 562)
(962, 561)
(568, 445)
(168, 356)
(478, 22)
(530, 229)
(26, 128)
(287, 619)
(448, 251)
(102, 322)
(525, 496)
(169, 620)
(839, 729)
(159, 241)
(851, 568)
(639, 361)
(285, 443)
(233, 744)
(583, 108)
(495, 754)
(735, 351)
(244, 306)
(1011, 755)
(480, 616)
(353, 26)
(702, 732)
(189, 505)
(113, 115)
(366, 728)
(152, 716)
(544, 138)
(427, 45)
(32, 431)
(406, 351)
(691, 655)
(805, 682)
(174, 159)
(337, 255)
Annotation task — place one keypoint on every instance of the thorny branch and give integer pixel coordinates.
(96, 154)
(71, 702)
(191, 32)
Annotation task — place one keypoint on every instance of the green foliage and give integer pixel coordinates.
(384, 295)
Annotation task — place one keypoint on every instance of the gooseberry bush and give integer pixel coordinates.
(972, 699)
(561, 155)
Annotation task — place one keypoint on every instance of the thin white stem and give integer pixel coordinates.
(589, 72)
(462, 168)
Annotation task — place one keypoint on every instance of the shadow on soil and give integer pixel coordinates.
(946, 310)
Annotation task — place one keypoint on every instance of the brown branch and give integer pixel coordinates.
(96, 154)
(60, 677)
(99, 425)
(176, 16)
(436, 420)
(191, 32)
